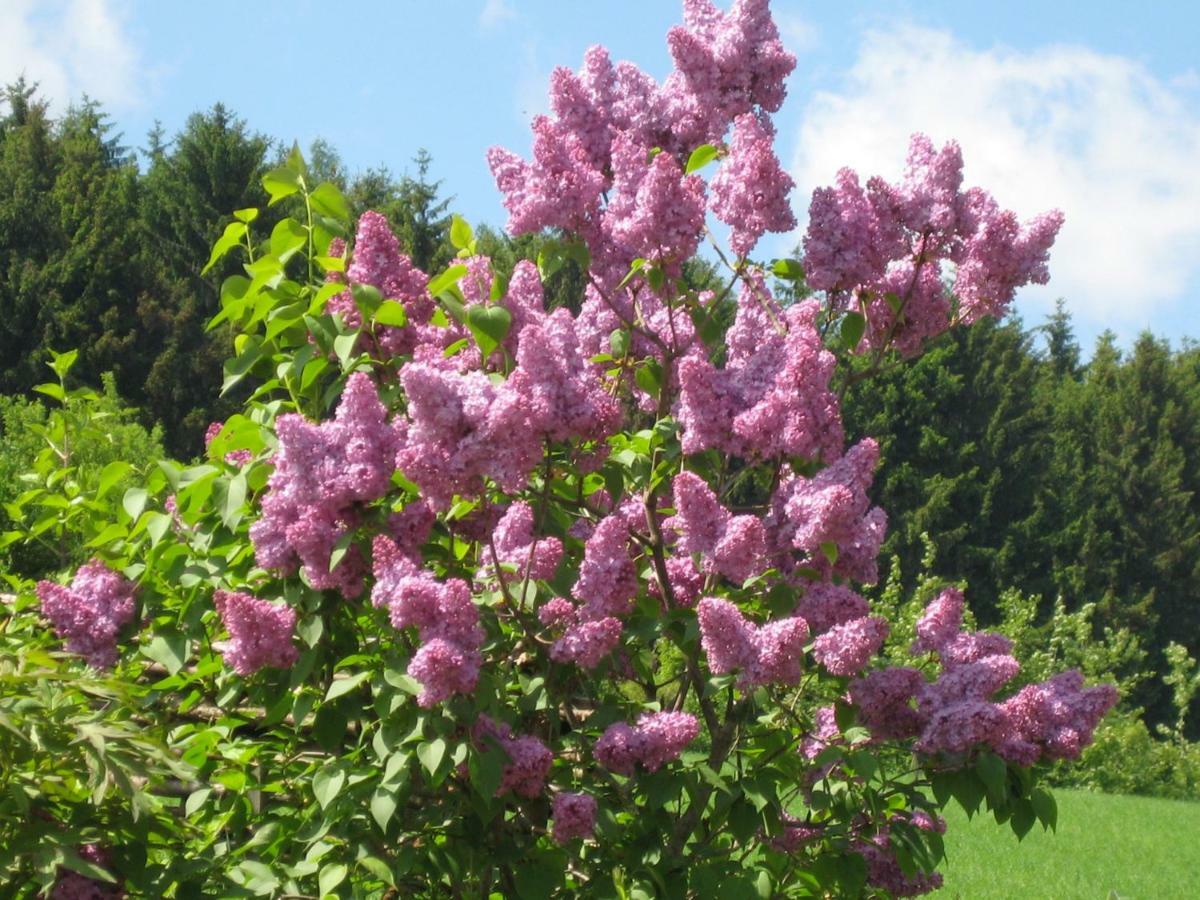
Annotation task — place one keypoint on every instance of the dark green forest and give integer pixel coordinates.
(1032, 463)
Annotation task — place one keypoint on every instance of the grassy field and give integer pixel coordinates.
(1131, 848)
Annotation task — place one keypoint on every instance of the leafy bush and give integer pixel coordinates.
(430, 617)
(56, 459)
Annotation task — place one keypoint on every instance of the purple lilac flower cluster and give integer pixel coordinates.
(957, 712)
(657, 739)
(529, 759)
(377, 261)
(735, 546)
(770, 654)
(323, 473)
(831, 509)
(883, 250)
(772, 398)
(90, 613)
(260, 632)
(574, 816)
(446, 619)
(605, 589)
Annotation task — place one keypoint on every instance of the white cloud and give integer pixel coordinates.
(797, 33)
(495, 13)
(1095, 135)
(71, 47)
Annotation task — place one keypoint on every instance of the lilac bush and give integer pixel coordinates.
(529, 603)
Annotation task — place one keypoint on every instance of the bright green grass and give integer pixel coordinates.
(1132, 848)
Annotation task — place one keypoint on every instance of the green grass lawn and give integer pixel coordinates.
(1131, 848)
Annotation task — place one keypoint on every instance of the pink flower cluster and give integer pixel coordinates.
(464, 428)
(957, 712)
(735, 546)
(605, 589)
(770, 654)
(750, 192)
(655, 211)
(846, 648)
(657, 739)
(574, 816)
(832, 508)
(260, 632)
(323, 473)
(90, 614)
(563, 397)
(882, 250)
(515, 544)
(377, 261)
(608, 166)
(529, 759)
(446, 619)
(772, 398)
(825, 604)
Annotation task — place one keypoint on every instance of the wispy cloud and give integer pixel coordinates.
(72, 47)
(495, 13)
(1095, 135)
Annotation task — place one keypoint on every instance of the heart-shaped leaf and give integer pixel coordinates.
(489, 326)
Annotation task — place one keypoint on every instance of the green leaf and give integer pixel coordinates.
(392, 313)
(549, 259)
(61, 363)
(196, 800)
(280, 183)
(168, 649)
(1045, 807)
(649, 377)
(343, 686)
(232, 236)
(327, 784)
(235, 498)
(288, 237)
(259, 878)
(328, 201)
(331, 876)
(378, 868)
(343, 347)
(451, 276)
(700, 157)
(247, 215)
(788, 269)
(134, 502)
(431, 753)
(110, 475)
(489, 326)
(1023, 818)
(72, 860)
(537, 880)
(994, 775)
(486, 768)
(50, 389)
(830, 549)
(383, 807)
(460, 233)
(634, 267)
(618, 341)
(853, 326)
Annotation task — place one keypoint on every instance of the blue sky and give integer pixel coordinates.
(1088, 106)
